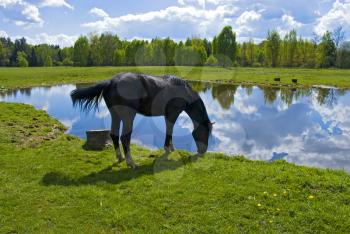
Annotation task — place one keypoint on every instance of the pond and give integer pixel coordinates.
(306, 126)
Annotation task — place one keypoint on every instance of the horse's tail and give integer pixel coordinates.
(88, 98)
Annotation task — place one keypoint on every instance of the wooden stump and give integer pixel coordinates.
(295, 81)
(97, 139)
(277, 79)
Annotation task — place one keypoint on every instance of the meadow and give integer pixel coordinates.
(50, 184)
(11, 78)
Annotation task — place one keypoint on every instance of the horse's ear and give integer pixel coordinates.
(212, 123)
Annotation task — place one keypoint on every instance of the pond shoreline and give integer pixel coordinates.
(13, 78)
(221, 97)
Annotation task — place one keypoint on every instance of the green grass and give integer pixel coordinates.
(50, 184)
(11, 78)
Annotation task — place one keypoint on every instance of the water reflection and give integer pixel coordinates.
(308, 126)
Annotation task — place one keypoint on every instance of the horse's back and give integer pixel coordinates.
(149, 95)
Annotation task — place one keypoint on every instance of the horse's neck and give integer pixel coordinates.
(197, 112)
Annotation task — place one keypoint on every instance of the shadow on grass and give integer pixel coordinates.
(108, 175)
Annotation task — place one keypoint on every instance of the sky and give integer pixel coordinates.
(63, 21)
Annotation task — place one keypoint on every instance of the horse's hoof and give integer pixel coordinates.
(133, 166)
(168, 150)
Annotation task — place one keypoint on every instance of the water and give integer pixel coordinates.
(309, 126)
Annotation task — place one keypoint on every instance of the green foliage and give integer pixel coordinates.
(48, 61)
(119, 57)
(107, 48)
(211, 61)
(343, 55)
(81, 52)
(326, 51)
(108, 43)
(21, 59)
(226, 50)
(67, 62)
(272, 48)
(95, 57)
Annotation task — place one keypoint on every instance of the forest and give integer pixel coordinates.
(107, 49)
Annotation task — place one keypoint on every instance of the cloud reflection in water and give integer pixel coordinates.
(304, 126)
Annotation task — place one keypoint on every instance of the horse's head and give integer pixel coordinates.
(201, 136)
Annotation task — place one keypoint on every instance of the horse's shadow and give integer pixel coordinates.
(108, 175)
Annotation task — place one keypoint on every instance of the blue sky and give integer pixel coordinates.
(62, 21)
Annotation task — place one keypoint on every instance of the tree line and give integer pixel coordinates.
(109, 50)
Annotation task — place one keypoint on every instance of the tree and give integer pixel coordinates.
(21, 59)
(81, 52)
(211, 61)
(119, 57)
(42, 52)
(95, 57)
(226, 47)
(108, 43)
(326, 51)
(48, 61)
(4, 55)
(20, 45)
(290, 44)
(169, 47)
(67, 62)
(343, 55)
(273, 47)
(338, 35)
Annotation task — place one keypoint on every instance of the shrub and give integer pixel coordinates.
(67, 62)
(21, 59)
(211, 61)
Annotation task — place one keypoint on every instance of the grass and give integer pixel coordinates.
(50, 184)
(11, 78)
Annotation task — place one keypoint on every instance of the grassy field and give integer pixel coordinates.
(26, 77)
(50, 184)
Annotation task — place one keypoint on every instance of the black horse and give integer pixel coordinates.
(128, 94)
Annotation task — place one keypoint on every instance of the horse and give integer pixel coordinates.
(128, 94)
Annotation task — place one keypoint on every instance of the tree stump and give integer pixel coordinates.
(295, 81)
(97, 139)
(277, 79)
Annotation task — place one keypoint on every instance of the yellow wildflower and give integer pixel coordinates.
(259, 205)
(311, 197)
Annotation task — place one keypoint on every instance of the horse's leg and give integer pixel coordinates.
(126, 137)
(170, 120)
(115, 136)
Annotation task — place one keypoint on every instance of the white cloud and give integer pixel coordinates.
(190, 2)
(56, 3)
(338, 15)
(248, 16)
(21, 13)
(3, 34)
(59, 39)
(99, 12)
(291, 22)
(172, 21)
